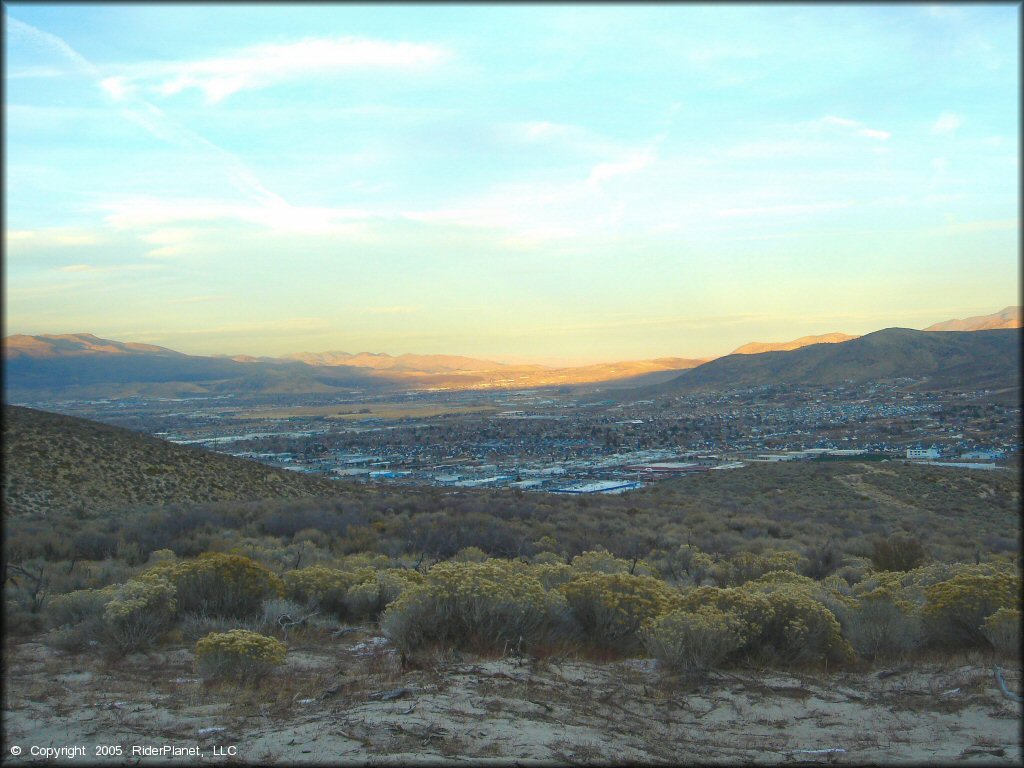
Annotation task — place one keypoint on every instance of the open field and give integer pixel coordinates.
(348, 700)
(370, 411)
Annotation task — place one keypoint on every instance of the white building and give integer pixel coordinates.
(922, 453)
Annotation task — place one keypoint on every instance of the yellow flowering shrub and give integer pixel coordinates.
(693, 642)
(747, 566)
(238, 654)
(1002, 630)
(610, 608)
(219, 584)
(122, 618)
(599, 561)
(469, 555)
(497, 604)
(554, 574)
(781, 620)
(139, 612)
(956, 609)
(324, 588)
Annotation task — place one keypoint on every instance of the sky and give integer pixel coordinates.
(561, 184)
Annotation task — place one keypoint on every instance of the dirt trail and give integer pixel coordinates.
(352, 702)
(855, 482)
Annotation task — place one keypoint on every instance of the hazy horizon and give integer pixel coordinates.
(553, 184)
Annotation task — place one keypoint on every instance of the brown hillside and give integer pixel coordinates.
(57, 464)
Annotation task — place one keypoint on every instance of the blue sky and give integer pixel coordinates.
(522, 182)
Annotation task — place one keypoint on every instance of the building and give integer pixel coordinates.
(666, 468)
(600, 486)
(922, 453)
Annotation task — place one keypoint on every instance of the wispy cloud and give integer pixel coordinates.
(149, 116)
(77, 268)
(603, 172)
(947, 123)
(783, 210)
(60, 236)
(261, 66)
(858, 128)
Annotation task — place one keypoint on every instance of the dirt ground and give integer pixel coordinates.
(347, 699)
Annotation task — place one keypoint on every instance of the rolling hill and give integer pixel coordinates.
(1009, 317)
(56, 464)
(85, 366)
(960, 360)
(757, 347)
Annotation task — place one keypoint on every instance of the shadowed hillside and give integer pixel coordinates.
(960, 360)
(56, 464)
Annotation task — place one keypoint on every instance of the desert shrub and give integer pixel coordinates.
(599, 561)
(162, 556)
(610, 608)
(324, 588)
(78, 606)
(853, 569)
(956, 609)
(1002, 630)
(689, 565)
(821, 561)
(880, 626)
(76, 618)
(746, 566)
(898, 552)
(369, 598)
(139, 612)
(493, 605)
(470, 555)
(692, 642)
(121, 618)
(782, 620)
(552, 575)
(219, 584)
(547, 558)
(238, 654)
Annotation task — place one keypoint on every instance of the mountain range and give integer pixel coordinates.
(952, 360)
(86, 366)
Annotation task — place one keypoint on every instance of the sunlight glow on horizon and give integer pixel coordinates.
(569, 184)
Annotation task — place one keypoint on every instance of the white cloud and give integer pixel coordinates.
(860, 129)
(602, 172)
(833, 120)
(77, 268)
(947, 123)
(261, 66)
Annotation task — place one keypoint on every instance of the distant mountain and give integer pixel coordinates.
(757, 347)
(55, 464)
(1010, 317)
(382, 361)
(72, 344)
(960, 360)
(82, 365)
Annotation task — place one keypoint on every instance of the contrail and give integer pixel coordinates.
(151, 118)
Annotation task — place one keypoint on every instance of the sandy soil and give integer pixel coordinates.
(348, 700)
